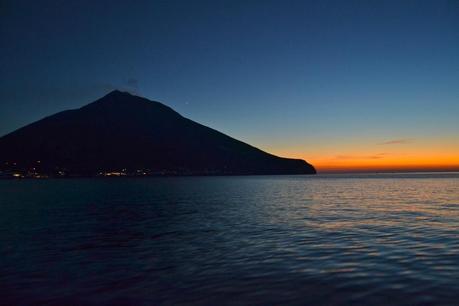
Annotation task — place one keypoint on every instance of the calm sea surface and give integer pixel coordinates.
(385, 239)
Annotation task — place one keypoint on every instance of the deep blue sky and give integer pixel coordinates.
(288, 76)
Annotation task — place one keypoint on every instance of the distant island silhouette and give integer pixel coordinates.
(123, 134)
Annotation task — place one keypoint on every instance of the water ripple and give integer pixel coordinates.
(324, 240)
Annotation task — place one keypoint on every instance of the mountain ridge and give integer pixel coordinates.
(121, 131)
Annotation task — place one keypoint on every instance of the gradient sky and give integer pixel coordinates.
(346, 85)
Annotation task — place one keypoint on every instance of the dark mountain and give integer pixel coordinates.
(124, 133)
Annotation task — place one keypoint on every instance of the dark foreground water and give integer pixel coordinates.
(261, 240)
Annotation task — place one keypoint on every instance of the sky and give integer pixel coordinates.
(345, 85)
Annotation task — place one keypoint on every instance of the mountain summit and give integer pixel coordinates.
(123, 133)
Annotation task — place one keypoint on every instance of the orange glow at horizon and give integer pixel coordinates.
(386, 162)
(357, 157)
(325, 167)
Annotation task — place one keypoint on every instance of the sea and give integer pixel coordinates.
(346, 239)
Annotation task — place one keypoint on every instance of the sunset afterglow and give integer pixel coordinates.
(229, 152)
(360, 86)
(393, 155)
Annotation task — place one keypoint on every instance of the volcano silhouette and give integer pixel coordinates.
(125, 132)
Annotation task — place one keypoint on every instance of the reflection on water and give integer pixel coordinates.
(261, 240)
